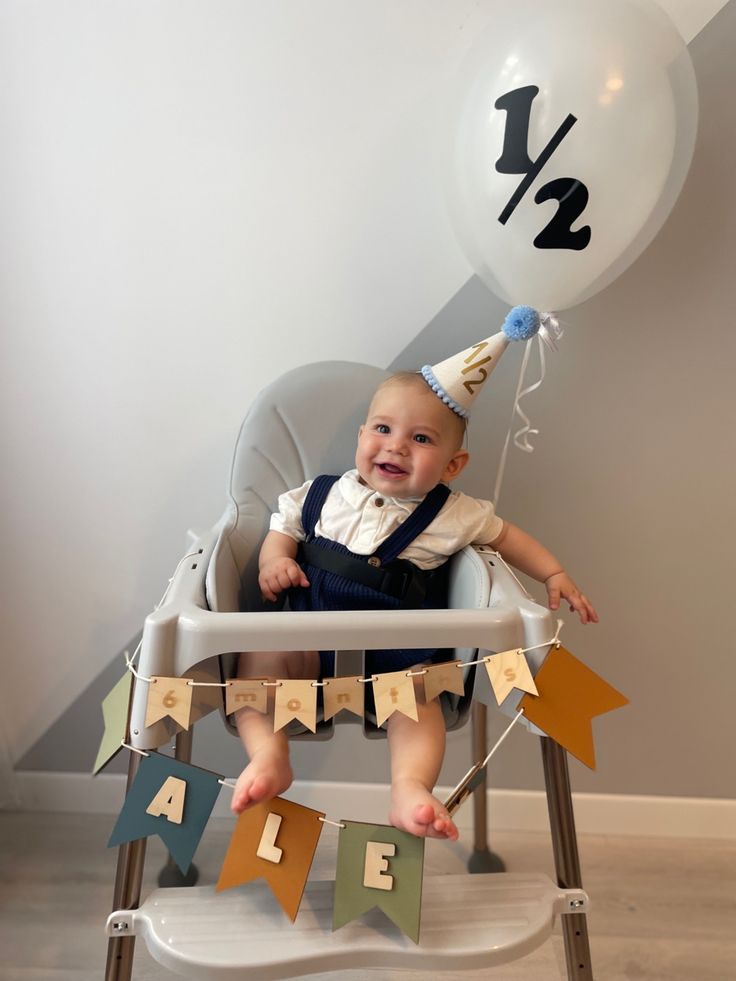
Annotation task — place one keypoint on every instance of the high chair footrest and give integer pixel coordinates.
(467, 922)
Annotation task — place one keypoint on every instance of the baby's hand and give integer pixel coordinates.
(561, 585)
(279, 574)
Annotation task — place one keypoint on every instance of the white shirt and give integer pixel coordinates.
(361, 519)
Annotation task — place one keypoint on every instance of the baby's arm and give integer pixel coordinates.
(531, 557)
(277, 565)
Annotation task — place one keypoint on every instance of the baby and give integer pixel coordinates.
(395, 501)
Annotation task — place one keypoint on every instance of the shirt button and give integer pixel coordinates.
(379, 502)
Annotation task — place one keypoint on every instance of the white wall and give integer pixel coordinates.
(193, 198)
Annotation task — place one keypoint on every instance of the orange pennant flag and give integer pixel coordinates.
(275, 841)
(508, 670)
(443, 677)
(343, 693)
(570, 696)
(394, 692)
(169, 696)
(295, 700)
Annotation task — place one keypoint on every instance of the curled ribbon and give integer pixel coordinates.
(550, 332)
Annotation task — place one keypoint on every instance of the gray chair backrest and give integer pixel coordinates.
(303, 424)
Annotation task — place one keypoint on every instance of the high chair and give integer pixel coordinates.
(304, 424)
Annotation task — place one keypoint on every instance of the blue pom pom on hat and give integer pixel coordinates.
(521, 323)
(458, 379)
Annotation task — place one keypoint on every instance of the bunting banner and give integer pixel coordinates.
(508, 670)
(295, 700)
(249, 693)
(115, 707)
(344, 693)
(275, 841)
(394, 692)
(170, 799)
(569, 696)
(447, 676)
(379, 866)
(169, 696)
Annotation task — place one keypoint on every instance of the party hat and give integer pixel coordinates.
(458, 379)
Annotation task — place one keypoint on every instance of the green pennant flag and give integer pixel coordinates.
(378, 865)
(170, 799)
(115, 716)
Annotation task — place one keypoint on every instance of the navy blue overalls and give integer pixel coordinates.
(386, 582)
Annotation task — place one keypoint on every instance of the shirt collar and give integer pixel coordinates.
(358, 494)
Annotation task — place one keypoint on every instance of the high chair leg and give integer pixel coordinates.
(127, 895)
(567, 860)
(482, 858)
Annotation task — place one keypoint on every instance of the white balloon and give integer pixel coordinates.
(593, 133)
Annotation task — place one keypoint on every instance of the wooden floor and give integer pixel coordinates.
(662, 909)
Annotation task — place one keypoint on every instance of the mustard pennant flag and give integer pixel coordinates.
(171, 799)
(275, 841)
(394, 692)
(379, 866)
(570, 696)
(508, 670)
(115, 707)
(250, 693)
(343, 693)
(447, 676)
(169, 696)
(295, 700)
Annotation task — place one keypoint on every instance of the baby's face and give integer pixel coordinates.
(409, 442)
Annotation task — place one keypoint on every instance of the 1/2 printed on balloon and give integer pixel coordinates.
(570, 193)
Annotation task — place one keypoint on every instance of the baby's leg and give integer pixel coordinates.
(417, 750)
(269, 771)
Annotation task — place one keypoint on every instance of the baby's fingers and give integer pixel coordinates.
(579, 604)
(553, 596)
(296, 576)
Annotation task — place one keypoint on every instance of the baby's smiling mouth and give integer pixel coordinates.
(391, 470)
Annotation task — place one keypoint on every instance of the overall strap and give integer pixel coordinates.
(314, 501)
(414, 525)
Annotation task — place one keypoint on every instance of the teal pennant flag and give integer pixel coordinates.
(170, 799)
(378, 865)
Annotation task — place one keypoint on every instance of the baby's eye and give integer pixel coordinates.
(422, 438)
(382, 428)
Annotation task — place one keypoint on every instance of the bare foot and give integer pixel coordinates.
(414, 809)
(267, 775)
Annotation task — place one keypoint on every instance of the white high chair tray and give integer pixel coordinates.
(467, 921)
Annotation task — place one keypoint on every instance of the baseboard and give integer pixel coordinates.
(508, 810)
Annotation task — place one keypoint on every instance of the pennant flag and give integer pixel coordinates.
(443, 677)
(508, 670)
(115, 707)
(169, 696)
(343, 693)
(295, 700)
(570, 696)
(170, 799)
(394, 692)
(249, 693)
(379, 866)
(275, 841)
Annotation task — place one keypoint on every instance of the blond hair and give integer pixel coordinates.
(413, 379)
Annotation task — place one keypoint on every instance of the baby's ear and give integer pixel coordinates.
(456, 465)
